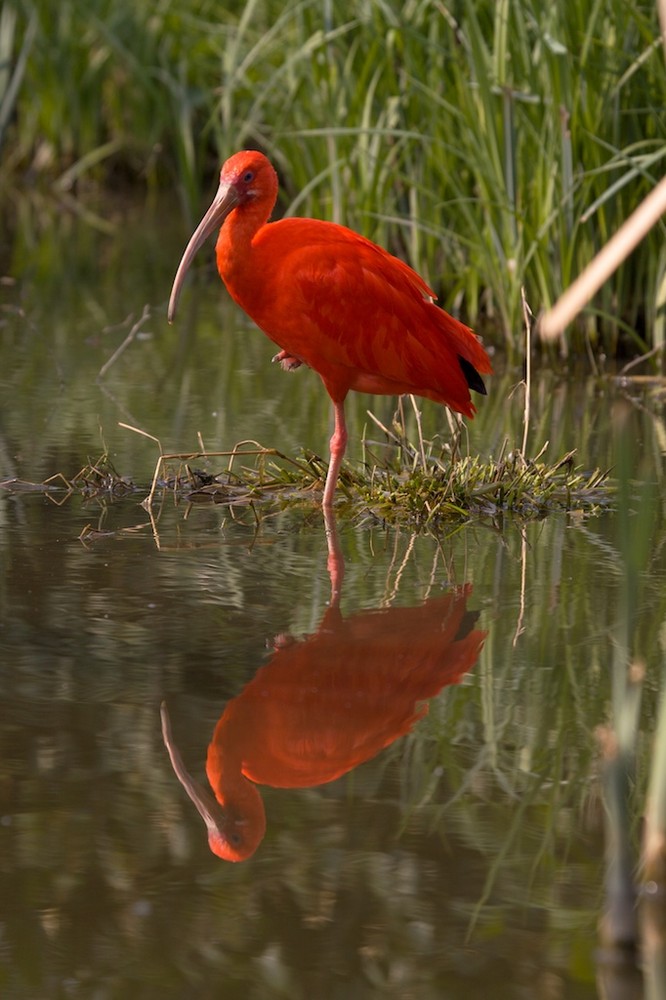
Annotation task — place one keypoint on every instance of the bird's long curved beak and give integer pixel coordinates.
(209, 808)
(223, 202)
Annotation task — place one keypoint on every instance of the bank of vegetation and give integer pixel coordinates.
(495, 145)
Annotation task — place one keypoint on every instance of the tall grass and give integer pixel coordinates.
(494, 144)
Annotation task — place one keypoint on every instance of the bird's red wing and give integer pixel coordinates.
(360, 317)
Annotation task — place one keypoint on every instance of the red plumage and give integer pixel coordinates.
(324, 704)
(335, 301)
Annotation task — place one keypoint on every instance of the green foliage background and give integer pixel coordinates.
(493, 144)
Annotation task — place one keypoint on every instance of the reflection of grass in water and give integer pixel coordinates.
(509, 762)
(519, 727)
(638, 522)
(527, 769)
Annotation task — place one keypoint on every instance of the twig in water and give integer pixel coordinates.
(638, 361)
(520, 626)
(126, 342)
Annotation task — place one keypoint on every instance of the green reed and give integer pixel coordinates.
(494, 145)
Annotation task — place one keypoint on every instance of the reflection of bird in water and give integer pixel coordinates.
(324, 704)
(334, 301)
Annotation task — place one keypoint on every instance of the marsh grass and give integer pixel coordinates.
(427, 484)
(504, 762)
(493, 145)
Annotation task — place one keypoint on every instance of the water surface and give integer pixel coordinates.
(466, 858)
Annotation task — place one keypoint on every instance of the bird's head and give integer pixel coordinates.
(234, 830)
(246, 177)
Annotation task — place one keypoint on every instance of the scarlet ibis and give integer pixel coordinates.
(324, 704)
(334, 301)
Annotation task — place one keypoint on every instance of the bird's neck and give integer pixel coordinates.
(233, 249)
(232, 789)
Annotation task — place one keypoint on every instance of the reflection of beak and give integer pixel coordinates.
(209, 808)
(223, 202)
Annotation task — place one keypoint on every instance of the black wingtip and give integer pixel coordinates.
(467, 623)
(472, 377)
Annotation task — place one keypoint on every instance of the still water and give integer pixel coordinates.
(417, 713)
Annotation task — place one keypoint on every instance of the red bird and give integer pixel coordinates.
(324, 704)
(332, 300)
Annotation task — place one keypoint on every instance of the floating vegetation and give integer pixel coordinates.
(471, 487)
(100, 479)
(96, 480)
(417, 489)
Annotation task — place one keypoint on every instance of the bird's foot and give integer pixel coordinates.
(288, 363)
(282, 640)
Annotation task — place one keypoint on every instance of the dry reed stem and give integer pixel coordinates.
(605, 263)
(417, 414)
(528, 316)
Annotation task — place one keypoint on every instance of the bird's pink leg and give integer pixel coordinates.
(336, 562)
(338, 444)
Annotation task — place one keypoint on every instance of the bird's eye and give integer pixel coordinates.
(248, 176)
